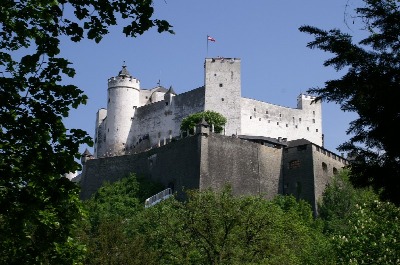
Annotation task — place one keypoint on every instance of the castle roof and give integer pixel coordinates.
(87, 153)
(124, 72)
(171, 91)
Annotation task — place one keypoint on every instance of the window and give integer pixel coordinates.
(308, 128)
(277, 123)
(299, 119)
(295, 126)
(166, 103)
(251, 117)
(294, 164)
(313, 112)
(259, 119)
(287, 125)
(221, 85)
(324, 168)
(255, 109)
(222, 99)
(266, 112)
(335, 171)
(280, 114)
(316, 130)
(313, 120)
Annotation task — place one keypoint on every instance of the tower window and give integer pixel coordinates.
(266, 112)
(299, 119)
(313, 112)
(254, 109)
(287, 125)
(221, 85)
(251, 117)
(259, 119)
(308, 128)
(295, 126)
(166, 103)
(316, 130)
(313, 120)
(277, 123)
(222, 99)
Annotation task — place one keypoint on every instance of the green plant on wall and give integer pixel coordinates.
(211, 117)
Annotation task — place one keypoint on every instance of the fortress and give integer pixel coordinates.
(263, 149)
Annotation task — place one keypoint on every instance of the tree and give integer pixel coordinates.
(363, 230)
(371, 88)
(220, 228)
(38, 206)
(110, 213)
(211, 117)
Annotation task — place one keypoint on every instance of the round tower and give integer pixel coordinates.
(123, 99)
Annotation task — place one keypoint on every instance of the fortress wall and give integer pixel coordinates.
(249, 168)
(323, 175)
(175, 165)
(161, 119)
(265, 119)
(298, 173)
(305, 176)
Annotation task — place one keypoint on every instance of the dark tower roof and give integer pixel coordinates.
(124, 72)
(171, 91)
(87, 153)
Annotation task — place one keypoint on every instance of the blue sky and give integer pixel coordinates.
(276, 64)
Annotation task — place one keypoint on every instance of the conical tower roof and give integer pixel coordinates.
(124, 72)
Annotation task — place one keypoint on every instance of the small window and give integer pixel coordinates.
(266, 112)
(280, 115)
(313, 112)
(221, 85)
(259, 119)
(166, 103)
(222, 99)
(277, 123)
(251, 117)
(294, 164)
(255, 109)
(287, 125)
(295, 126)
(308, 128)
(215, 74)
(313, 120)
(316, 130)
(269, 121)
(324, 167)
(299, 119)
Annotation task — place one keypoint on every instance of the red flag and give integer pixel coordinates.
(210, 38)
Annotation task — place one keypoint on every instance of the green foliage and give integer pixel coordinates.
(211, 117)
(362, 229)
(373, 235)
(219, 228)
(111, 212)
(38, 207)
(371, 88)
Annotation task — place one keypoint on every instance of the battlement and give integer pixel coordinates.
(122, 81)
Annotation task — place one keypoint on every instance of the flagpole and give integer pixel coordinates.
(207, 46)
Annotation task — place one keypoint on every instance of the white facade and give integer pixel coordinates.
(137, 119)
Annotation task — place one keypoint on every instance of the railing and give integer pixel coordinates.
(165, 194)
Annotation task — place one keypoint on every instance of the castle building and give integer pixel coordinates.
(265, 149)
(137, 119)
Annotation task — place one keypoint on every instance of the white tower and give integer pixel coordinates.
(123, 99)
(223, 91)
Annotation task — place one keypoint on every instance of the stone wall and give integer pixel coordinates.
(249, 168)
(176, 165)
